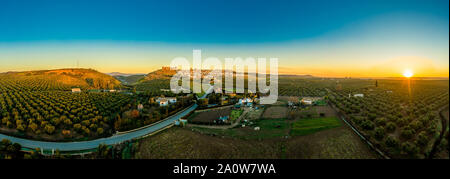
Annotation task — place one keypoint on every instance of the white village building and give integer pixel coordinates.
(76, 90)
(166, 101)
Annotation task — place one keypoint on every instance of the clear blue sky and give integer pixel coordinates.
(229, 23)
(217, 21)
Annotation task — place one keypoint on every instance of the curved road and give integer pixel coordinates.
(115, 139)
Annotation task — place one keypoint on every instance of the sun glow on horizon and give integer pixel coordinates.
(408, 73)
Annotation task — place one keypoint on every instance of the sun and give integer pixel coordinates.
(408, 73)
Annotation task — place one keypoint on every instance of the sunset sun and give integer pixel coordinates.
(408, 73)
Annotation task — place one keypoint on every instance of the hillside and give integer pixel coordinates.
(124, 74)
(63, 79)
(163, 73)
(129, 79)
(159, 80)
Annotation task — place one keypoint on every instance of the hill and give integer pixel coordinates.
(159, 80)
(163, 73)
(63, 79)
(129, 79)
(124, 74)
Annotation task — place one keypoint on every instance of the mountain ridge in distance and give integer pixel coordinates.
(124, 74)
(69, 77)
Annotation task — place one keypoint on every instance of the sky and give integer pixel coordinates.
(371, 38)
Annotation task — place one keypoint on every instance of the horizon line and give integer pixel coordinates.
(279, 74)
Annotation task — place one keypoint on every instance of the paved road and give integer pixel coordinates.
(115, 139)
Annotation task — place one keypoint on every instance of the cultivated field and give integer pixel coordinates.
(275, 112)
(320, 137)
(208, 117)
(336, 143)
(311, 125)
(183, 143)
(254, 114)
(179, 143)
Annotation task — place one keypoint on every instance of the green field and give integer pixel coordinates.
(272, 128)
(311, 125)
(321, 103)
(235, 114)
(269, 128)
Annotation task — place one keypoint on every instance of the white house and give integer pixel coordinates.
(76, 90)
(310, 100)
(245, 100)
(172, 100)
(166, 101)
(140, 107)
(163, 102)
(358, 95)
(307, 101)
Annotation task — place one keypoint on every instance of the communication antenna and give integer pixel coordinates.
(78, 63)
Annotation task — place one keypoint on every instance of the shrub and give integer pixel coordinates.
(379, 133)
(390, 127)
(391, 142)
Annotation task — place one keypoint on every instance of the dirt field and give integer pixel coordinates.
(271, 141)
(275, 112)
(210, 116)
(289, 98)
(254, 114)
(327, 110)
(183, 143)
(337, 143)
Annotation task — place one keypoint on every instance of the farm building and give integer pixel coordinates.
(172, 100)
(245, 100)
(358, 95)
(166, 101)
(140, 107)
(163, 102)
(310, 100)
(76, 90)
(307, 101)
